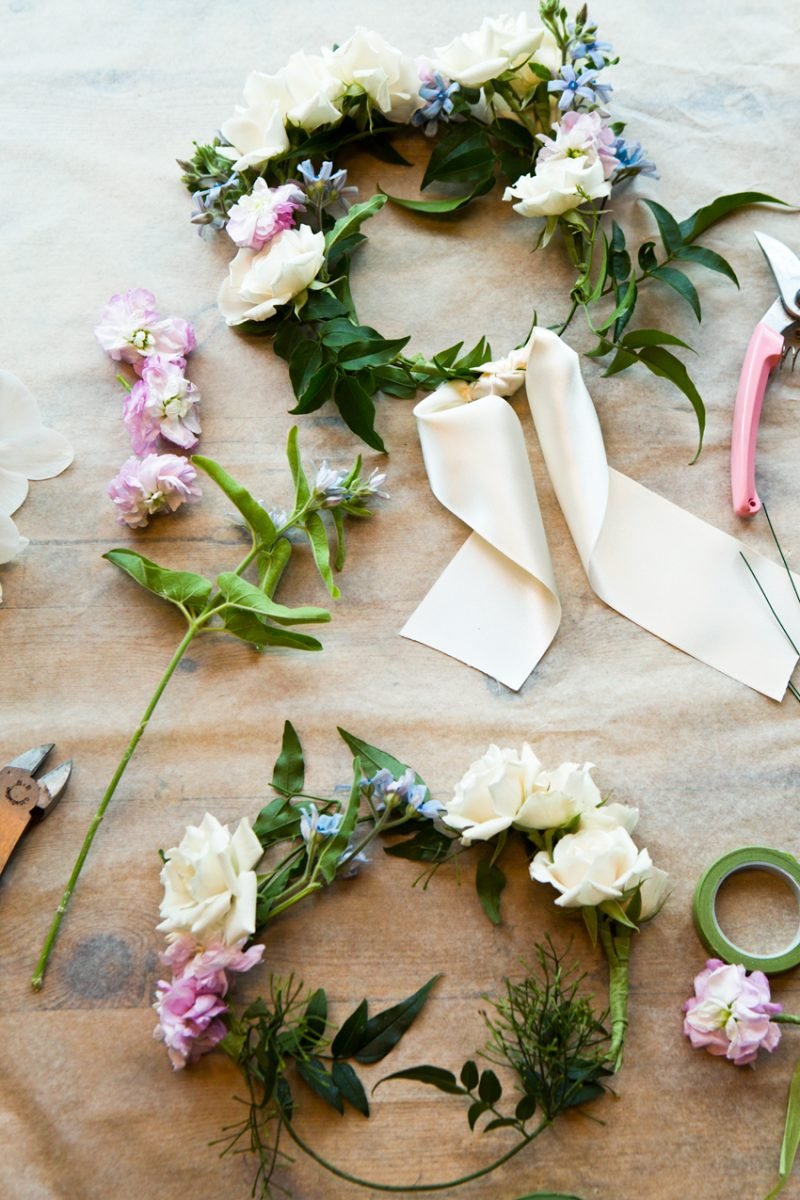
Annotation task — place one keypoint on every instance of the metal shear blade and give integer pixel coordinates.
(23, 796)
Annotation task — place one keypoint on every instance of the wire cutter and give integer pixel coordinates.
(23, 797)
(775, 337)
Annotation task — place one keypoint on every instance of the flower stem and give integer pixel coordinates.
(785, 1019)
(405, 1187)
(618, 952)
(52, 933)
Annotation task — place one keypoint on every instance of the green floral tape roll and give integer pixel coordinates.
(704, 906)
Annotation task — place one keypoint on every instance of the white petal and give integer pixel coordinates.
(12, 542)
(39, 454)
(19, 411)
(13, 490)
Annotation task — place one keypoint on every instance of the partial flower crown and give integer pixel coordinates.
(512, 103)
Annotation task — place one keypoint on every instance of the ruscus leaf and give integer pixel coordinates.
(703, 218)
(668, 227)
(350, 1036)
(438, 1077)
(490, 881)
(288, 774)
(679, 283)
(384, 1030)
(350, 1086)
(314, 1074)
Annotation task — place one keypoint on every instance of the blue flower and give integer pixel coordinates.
(631, 158)
(572, 85)
(586, 45)
(326, 188)
(314, 824)
(438, 91)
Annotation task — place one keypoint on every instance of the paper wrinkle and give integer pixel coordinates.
(664, 569)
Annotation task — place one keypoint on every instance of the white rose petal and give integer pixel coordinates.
(12, 542)
(388, 76)
(610, 816)
(257, 132)
(258, 282)
(591, 866)
(505, 788)
(209, 884)
(654, 892)
(557, 186)
(501, 44)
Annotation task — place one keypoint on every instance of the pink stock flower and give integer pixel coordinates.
(257, 218)
(730, 1013)
(155, 484)
(190, 1007)
(162, 402)
(131, 328)
(581, 133)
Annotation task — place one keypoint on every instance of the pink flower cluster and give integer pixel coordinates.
(191, 1005)
(257, 218)
(162, 403)
(730, 1012)
(582, 133)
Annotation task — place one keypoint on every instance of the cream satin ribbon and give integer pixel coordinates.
(495, 606)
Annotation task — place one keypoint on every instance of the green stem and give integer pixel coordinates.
(195, 627)
(785, 1019)
(52, 933)
(413, 1187)
(618, 952)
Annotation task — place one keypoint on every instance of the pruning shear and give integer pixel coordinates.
(775, 337)
(24, 798)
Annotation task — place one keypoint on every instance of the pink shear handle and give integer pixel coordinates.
(763, 353)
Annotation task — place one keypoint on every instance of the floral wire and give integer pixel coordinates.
(780, 551)
(769, 602)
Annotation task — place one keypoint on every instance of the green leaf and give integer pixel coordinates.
(703, 218)
(341, 543)
(625, 305)
(525, 1109)
(303, 365)
(476, 1110)
(707, 258)
(620, 362)
(291, 334)
(589, 914)
(463, 153)
(490, 881)
(548, 1196)
(652, 337)
(372, 354)
(443, 1081)
(620, 259)
(302, 492)
(384, 151)
(350, 1086)
(447, 204)
(323, 305)
(316, 391)
(499, 1123)
(358, 411)
(335, 847)
(428, 845)
(343, 249)
(469, 1075)
(679, 283)
(248, 627)
(244, 595)
(351, 1035)
(489, 1088)
(791, 1133)
(183, 588)
(668, 227)
(374, 759)
(314, 1074)
(351, 222)
(288, 774)
(480, 353)
(318, 540)
(613, 909)
(277, 821)
(662, 362)
(383, 1031)
(647, 256)
(315, 1020)
(256, 517)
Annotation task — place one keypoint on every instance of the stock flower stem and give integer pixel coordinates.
(405, 1187)
(58, 916)
(195, 627)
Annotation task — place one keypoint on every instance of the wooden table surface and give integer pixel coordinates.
(103, 97)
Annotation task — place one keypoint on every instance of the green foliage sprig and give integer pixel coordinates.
(232, 604)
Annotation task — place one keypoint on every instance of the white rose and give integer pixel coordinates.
(654, 892)
(592, 865)
(610, 816)
(504, 788)
(259, 281)
(256, 132)
(501, 44)
(388, 76)
(209, 884)
(558, 185)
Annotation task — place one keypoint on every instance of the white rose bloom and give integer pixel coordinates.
(209, 884)
(504, 788)
(554, 188)
(259, 281)
(388, 76)
(501, 44)
(256, 133)
(654, 892)
(591, 866)
(610, 816)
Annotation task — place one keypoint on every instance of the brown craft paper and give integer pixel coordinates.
(100, 99)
